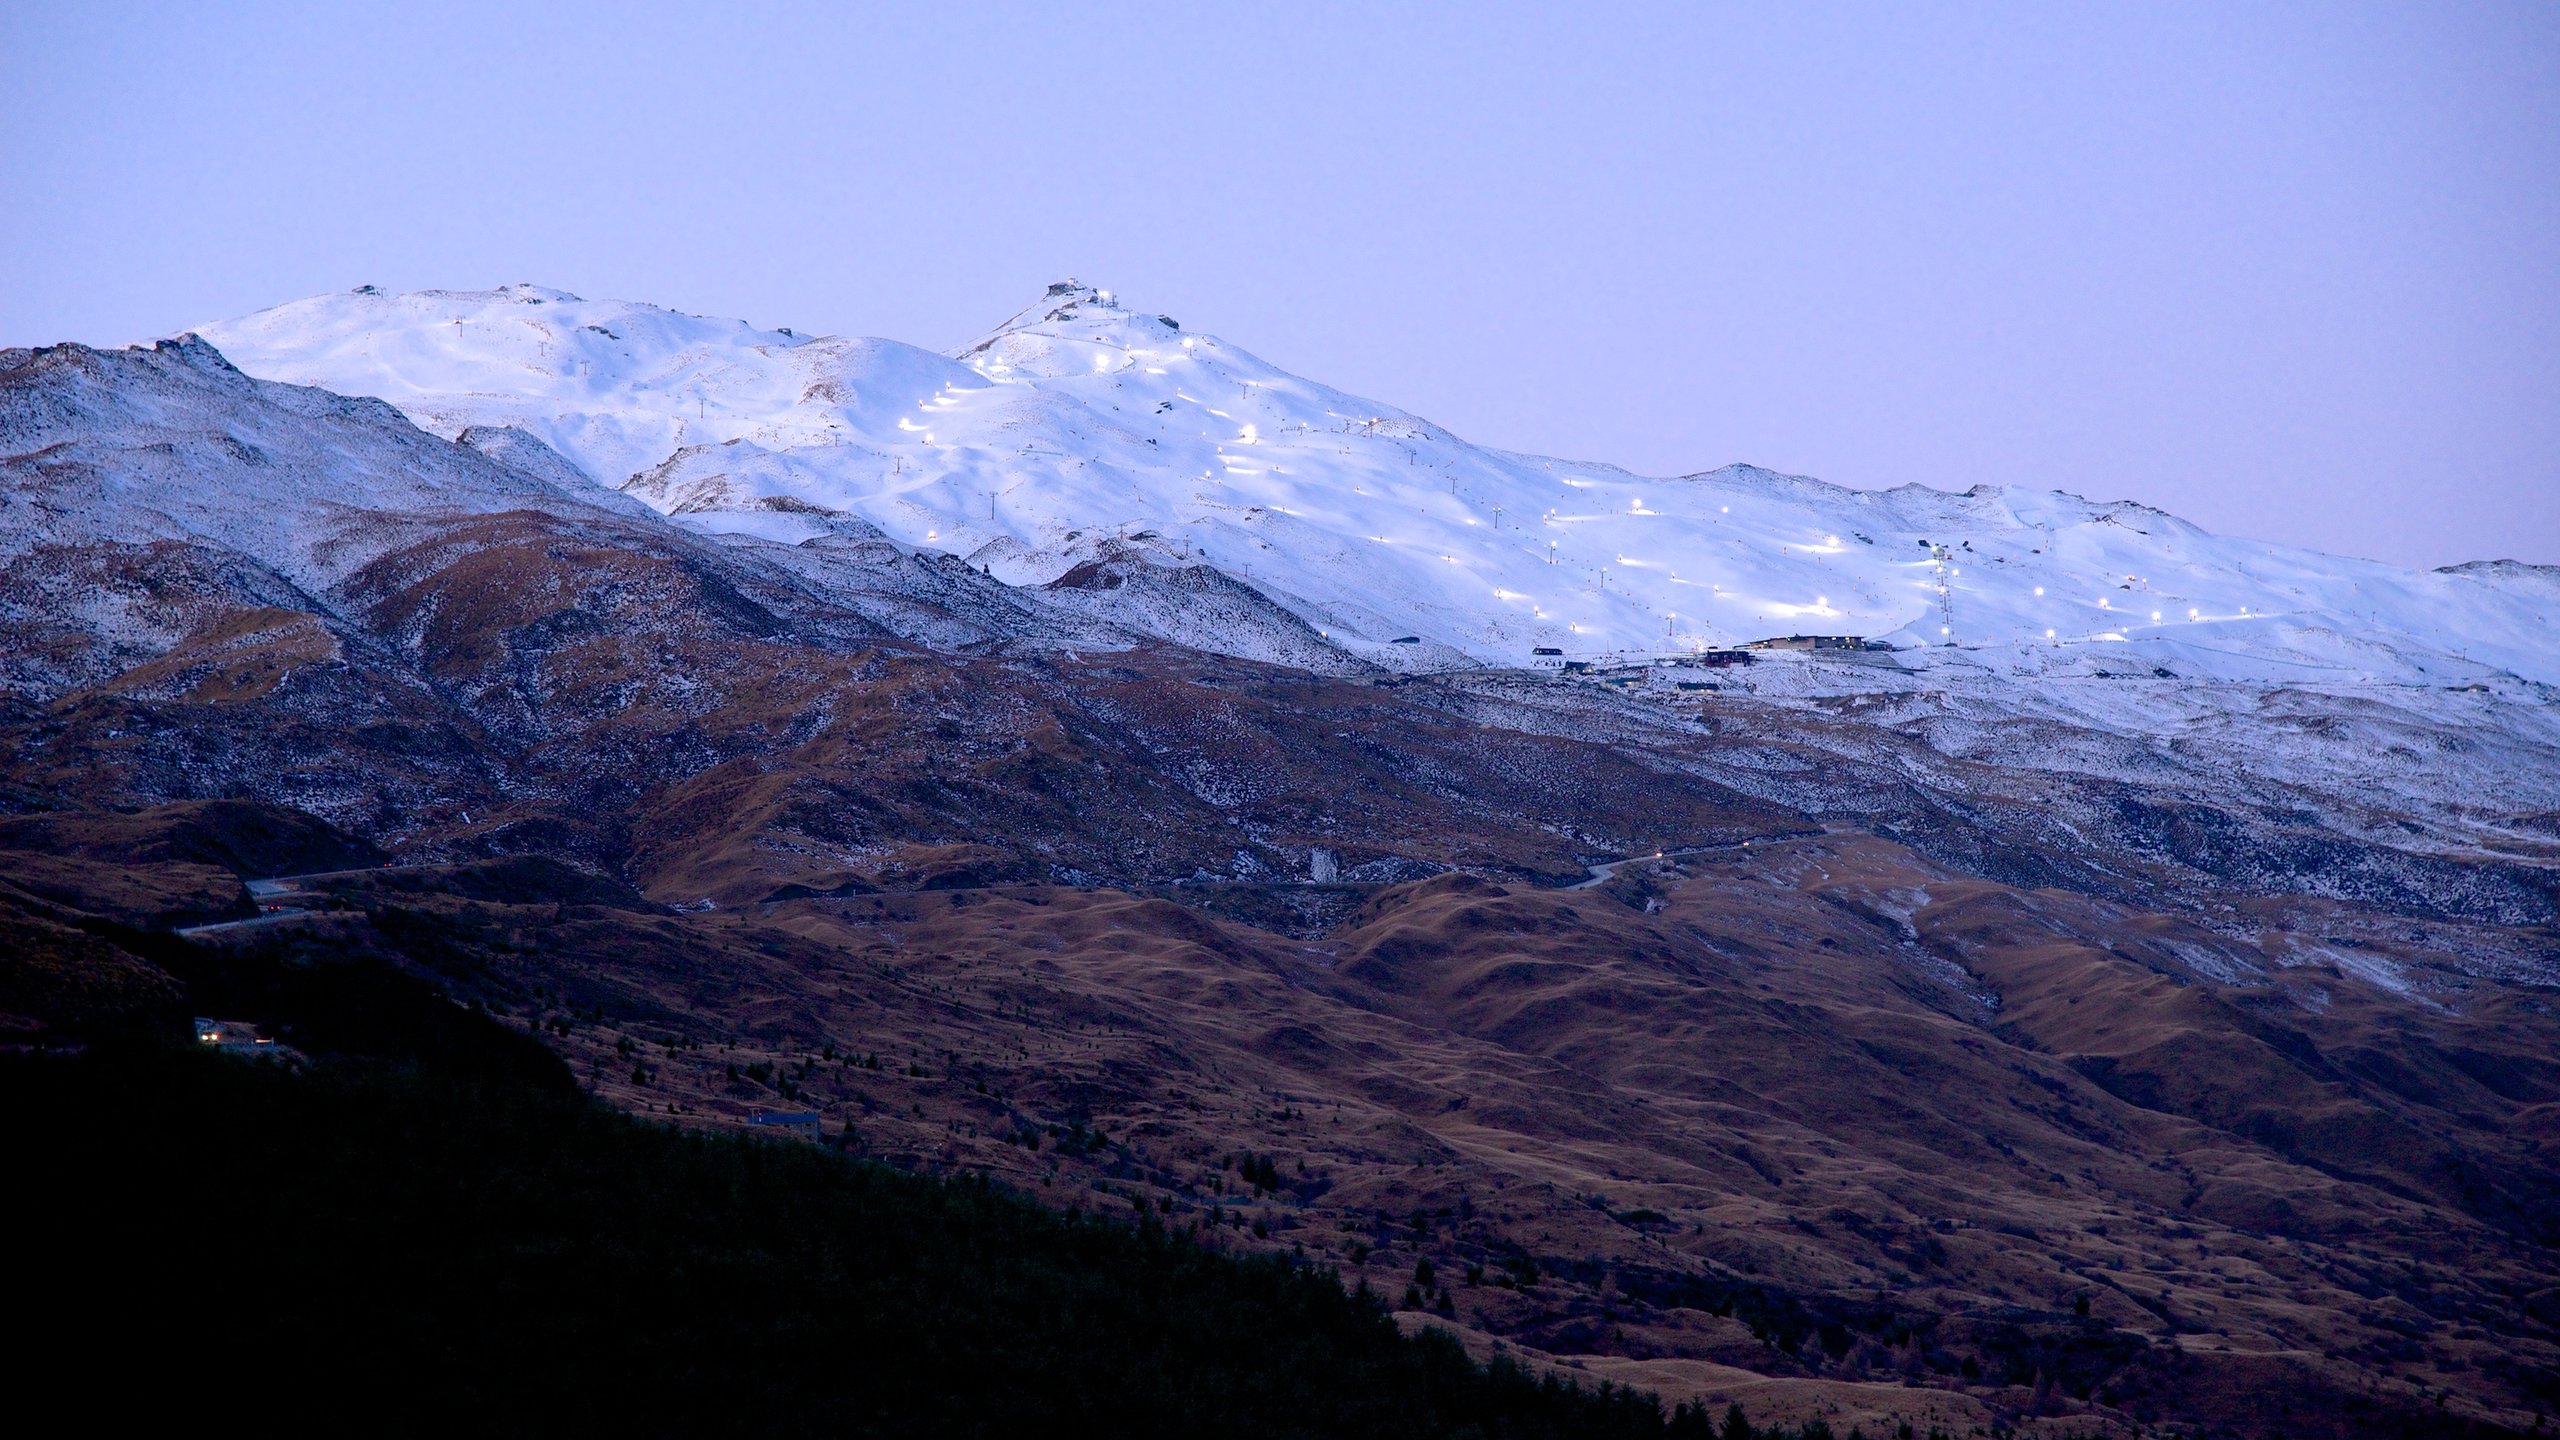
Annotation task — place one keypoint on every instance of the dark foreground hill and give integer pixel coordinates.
(396, 1255)
(449, 1237)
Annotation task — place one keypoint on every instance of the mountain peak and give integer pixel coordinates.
(1070, 308)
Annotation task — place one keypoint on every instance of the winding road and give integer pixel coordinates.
(281, 891)
(1606, 869)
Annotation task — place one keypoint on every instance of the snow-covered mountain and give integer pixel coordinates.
(115, 463)
(1081, 425)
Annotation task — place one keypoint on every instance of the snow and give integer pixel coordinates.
(116, 447)
(1082, 428)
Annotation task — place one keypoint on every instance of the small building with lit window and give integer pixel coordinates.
(233, 1037)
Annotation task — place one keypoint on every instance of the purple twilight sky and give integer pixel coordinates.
(2292, 271)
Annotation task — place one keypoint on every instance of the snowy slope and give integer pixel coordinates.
(1082, 425)
(171, 443)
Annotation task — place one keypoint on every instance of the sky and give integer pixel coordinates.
(2291, 271)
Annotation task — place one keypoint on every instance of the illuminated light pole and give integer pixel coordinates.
(1940, 558)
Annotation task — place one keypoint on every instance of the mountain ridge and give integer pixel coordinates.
(1080, 420)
